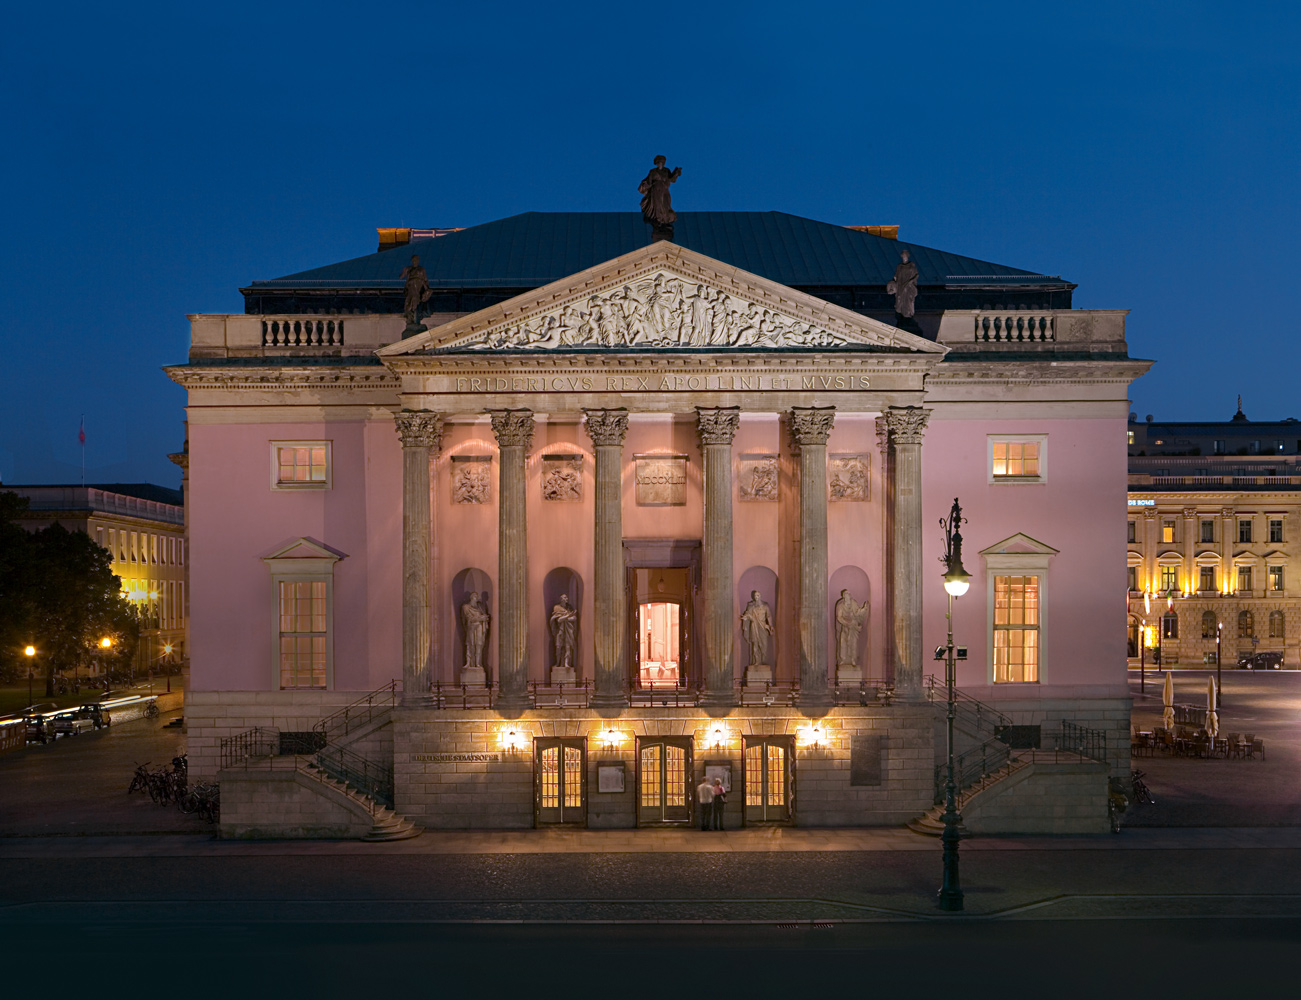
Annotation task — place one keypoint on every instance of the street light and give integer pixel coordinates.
(31, 652)
(1219, 686)
(956, 582)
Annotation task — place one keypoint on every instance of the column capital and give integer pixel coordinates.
(607, 427)
(1190, 512)
(810, 425)
(717, 424)
(514, 428)
(419, 428)
(907, 423)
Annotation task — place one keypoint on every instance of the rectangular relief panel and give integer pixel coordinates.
(848, 477)
(562, 478)
(757, 478)
(471, 478)
(661, 480)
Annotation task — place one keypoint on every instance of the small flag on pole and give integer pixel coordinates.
(81, 434)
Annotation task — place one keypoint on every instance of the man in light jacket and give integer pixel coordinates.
(705, 799)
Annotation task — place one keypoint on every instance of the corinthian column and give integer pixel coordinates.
(717, 427)
(514, 430)
(607, 429)
(907, 424)
(421, 433)
(809, 429)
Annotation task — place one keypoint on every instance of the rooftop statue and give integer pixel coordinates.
(904, 286)
(656, 204)
(416, 292)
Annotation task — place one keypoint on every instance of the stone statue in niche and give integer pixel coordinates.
(850, 616)
(759, 478)
(562, 478)
(904, 286)
(474, 621)
(653, 311)
(656, 202)
(416, 292)
(564, 637)
(847, 477)
(756, 627)
(470, 482)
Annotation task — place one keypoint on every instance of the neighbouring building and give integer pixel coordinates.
(575, 532)
(1214, 541)
(143, 528)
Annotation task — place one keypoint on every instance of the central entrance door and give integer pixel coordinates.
(663, 582)
(769, 779)
(664, 780)
(560, 781)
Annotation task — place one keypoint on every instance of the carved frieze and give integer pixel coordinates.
(657, 310)
(661, 480)
(758, 477)
(562, 478)
(471, 478)
(847, 477)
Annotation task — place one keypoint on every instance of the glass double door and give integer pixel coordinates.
(769, 779)
(664, 785)
(560, 781)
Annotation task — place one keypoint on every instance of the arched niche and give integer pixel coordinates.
(563, 580)
(853, 579)
(466, 582)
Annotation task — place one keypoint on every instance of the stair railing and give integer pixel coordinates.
(973, 765)
(361, 712)
(238, 750)
(977, 717)
(369, 777)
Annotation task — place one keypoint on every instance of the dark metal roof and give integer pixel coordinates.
(141, 491)
(535, 248)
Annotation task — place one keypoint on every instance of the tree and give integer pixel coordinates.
(58, 592)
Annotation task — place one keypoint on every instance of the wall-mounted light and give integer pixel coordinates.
(812, 736)
(512, 740)
(717, 736)
(611, 738)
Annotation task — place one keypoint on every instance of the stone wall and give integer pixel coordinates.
(282, 803)
(439, 788)
(1042, 797)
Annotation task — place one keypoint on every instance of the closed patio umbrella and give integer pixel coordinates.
(1212, 719)
(1168, 700)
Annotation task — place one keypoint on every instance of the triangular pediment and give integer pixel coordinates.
(657, 298)
(1019, 544)
(303, 548)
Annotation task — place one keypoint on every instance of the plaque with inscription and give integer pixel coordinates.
(471, 478)
(562, 478)
(610, 778)
(661, 480)
(457, 758)
(866, 755)
(758, 477)
(847, 477)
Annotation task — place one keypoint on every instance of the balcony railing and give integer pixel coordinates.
(300, 331)
(1015, 327)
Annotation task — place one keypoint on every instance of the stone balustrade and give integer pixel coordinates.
(301, 331)
(1010, 327)
(978, 330)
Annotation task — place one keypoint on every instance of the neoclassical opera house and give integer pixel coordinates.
(605, 513)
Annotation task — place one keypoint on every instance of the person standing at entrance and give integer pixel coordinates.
(705, 796)
(719, 801)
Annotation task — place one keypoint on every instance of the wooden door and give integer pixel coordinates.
(560, 781)
(769, 779)
(664, 788)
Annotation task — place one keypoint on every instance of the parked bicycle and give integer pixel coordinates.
(203, 799)
(1140, 789)
(140, 782)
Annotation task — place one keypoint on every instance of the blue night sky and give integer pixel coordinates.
(158, 157)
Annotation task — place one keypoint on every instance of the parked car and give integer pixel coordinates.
(97, 714)
(73, 723)
(40, 725)
(1272, 660)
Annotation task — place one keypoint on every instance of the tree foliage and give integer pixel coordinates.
(58, 592)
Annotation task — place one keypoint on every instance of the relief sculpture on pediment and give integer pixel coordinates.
(659, 310)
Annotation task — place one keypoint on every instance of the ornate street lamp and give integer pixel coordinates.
(956, 582)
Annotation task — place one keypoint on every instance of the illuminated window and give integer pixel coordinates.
(1017, 459)
(300, 465)
(134, 544)
(1276, 625)
(153, 549)
(303, 634)
(1131, 437)
(1016, 629)
(1244, 578)
(1167, 531)
(1276, 578)
(560, 780)
(1206, 579)
(1169, 578)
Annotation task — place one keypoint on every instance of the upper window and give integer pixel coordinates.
(1244, 530)
(1244, 578)
(1133, 578)
(1133, 532)
(1207, 579)
(1275, 530)
(1018, 458)
(1016, 629)
(302, 580)
(1276, 578)
(298, 465)
(1167, 531)
(1208, 531)
(1169, 578)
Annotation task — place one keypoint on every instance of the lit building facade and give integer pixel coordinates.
(1213, 530)
(617, 513)
(143, 528)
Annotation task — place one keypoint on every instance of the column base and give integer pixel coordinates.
(717, 699)
(513, 702)
(815, 699)
(474, 677)
(604, 699)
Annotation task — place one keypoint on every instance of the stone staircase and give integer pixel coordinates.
(931, 822)
(386, 823)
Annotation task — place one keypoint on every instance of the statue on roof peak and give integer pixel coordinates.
(904, 286)
(656, 204)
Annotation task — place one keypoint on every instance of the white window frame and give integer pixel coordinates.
(1040, 439)
(277, 485)
(302, 561)
(1019, 555)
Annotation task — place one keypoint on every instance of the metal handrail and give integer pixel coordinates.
(237, 750)
(360, 713)
(372, 779)
(974, 765)
(984, 719)
(1082, 740)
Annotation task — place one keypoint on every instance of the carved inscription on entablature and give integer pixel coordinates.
(831, 381)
